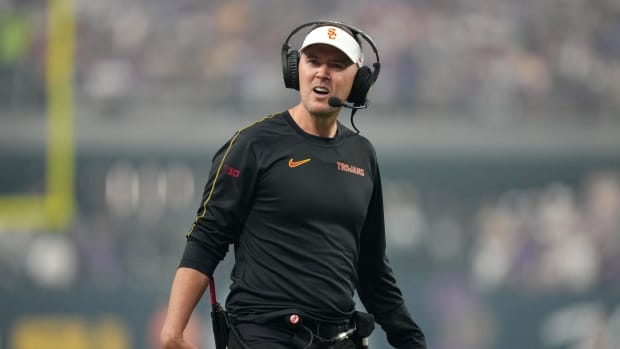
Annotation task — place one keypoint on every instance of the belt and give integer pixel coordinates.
(326, 330)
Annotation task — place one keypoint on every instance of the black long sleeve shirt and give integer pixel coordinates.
(305, 216)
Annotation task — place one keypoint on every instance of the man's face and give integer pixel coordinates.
(324, 71)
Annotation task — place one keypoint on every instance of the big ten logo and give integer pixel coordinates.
(69, 332)
(331, 33)
(231, 171)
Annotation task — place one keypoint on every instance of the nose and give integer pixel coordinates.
(322, 72)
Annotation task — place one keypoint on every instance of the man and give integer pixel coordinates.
(299, 195)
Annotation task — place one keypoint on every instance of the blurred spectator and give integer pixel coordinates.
(550, 239)
(602, 216)
(464, 320)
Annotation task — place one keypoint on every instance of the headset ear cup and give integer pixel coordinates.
(361, 85)
(291, 73)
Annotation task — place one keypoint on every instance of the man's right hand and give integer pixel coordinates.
(168, 342)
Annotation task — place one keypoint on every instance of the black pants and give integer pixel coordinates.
(276, 337)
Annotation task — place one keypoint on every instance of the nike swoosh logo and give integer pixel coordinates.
(292, 163)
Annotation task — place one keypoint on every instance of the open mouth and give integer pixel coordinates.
(321, 90)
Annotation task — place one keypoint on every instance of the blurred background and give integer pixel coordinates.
(496, 124)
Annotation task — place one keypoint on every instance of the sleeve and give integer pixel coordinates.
(225, 204)
(377, 287)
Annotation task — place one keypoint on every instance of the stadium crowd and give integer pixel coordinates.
(482, 59)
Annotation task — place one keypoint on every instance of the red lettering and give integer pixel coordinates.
(231, 171)
(349, 168)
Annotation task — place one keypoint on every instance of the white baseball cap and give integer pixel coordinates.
(338, 38)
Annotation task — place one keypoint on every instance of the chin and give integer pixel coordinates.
(320, 110)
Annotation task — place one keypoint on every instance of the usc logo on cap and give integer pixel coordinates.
(331, 33)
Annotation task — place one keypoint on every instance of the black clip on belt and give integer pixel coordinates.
(339, 337)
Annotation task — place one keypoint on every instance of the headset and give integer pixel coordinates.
(364, 78)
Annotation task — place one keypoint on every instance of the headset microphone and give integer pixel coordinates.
(337, 102)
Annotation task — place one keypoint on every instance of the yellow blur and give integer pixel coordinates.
(69, 332)
(52, 210)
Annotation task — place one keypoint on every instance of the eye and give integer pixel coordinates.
(312, 60)
(337, 65)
